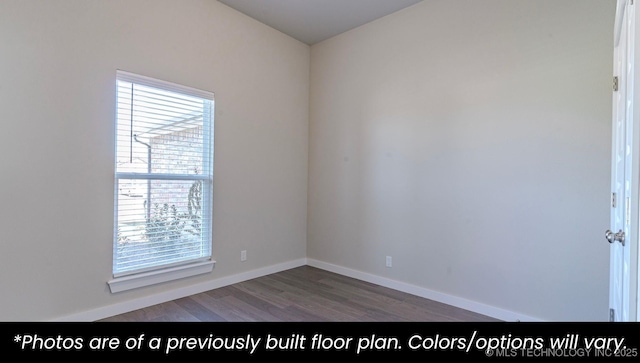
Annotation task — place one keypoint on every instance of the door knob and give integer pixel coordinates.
(613, 237)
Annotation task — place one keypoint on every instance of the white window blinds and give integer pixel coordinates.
(164, 175)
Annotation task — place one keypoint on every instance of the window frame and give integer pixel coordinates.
(122, 281)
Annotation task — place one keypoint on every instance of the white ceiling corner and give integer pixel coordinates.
(312, 21)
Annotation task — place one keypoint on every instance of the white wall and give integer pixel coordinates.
(470, 142)
(58, 62)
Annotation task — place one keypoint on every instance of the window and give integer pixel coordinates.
(163, 182)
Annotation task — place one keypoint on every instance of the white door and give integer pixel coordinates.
(623, 233)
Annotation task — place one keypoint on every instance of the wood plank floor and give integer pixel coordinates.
(303, 294)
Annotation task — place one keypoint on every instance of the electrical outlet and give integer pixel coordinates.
(243, 255)
(389, 262)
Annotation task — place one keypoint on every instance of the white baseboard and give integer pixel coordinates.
(124, 307)
(476, 307)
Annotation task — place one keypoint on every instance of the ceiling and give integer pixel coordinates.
(312, 21)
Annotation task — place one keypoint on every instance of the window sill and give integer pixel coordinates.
(130, 282)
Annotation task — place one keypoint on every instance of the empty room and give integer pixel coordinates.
(438, 161)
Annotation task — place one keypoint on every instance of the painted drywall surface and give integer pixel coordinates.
(471, 143)
(58, 62)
